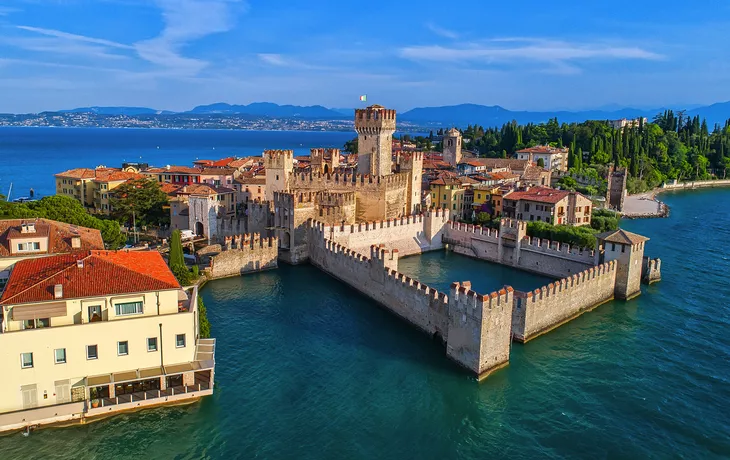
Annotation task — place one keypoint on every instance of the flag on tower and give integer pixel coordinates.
(363, 98)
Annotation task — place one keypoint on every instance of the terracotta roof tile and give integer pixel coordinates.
(622, 236)
(103, 273)
(539, 194)
(59, 235)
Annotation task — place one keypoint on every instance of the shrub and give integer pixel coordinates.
(203, 323)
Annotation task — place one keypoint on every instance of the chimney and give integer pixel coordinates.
(76, 242)
(58, 291)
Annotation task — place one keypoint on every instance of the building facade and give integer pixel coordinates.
(542, 204)
(553, 158)
(94, 332)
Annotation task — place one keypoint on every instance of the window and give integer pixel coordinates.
(527, 207)
(123, 348)
(613, 246)
(60, 355)
(129, 308)
(623, 248)
(26, 360)
(32, 246)
(92, 352)
(36, 323)
(180, 340)
(444, 196)
(454, 206)
(152, 344)
(277, 177)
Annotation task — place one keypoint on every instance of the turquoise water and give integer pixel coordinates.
(308, 369)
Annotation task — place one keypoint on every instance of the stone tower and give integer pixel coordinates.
(375, 126)
(413, 163)
(627, 249)
(279, 166)
(452, 147)
(616, 190)
(324, 161)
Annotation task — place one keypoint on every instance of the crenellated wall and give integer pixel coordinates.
(409, 235)
(243, 254)
(474, 327)
(651, 270)
(479, 328)
(543, 309)
(513, 247)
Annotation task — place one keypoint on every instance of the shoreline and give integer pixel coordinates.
(641, 202)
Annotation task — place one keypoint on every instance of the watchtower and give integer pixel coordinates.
(452, 147)
(616, 190)
(627, 249)
(375, 126)
(279, 166)
(324, 161)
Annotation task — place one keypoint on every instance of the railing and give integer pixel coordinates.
(153, 394)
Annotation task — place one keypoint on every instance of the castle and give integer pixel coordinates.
(355, 226)
(379, 189)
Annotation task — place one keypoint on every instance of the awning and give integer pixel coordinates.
(149, 373)
(97, 380)
(124, 376)
(179, 368)
(45, 310)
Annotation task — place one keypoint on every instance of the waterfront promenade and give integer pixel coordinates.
(647, 204)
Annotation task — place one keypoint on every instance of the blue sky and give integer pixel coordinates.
(529, 55)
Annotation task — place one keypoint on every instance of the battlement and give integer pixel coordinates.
(484, 232)
(651, 270)
(374, 112)
(279, 159)
(323, 153)
(249, 241)
(320, 181)
(336, 198)
(513, 223)
(605, 270)
(554, 247)
(465, 300)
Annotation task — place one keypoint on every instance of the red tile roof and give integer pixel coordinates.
(59, 235)
(544, 149)
(103, 273)
(170, 189)
(78, 173)
(174, 170)
(203, 189)
(114, 175)
(540, 194)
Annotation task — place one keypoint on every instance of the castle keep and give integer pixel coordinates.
(356, 225)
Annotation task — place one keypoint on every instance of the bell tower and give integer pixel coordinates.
(375, 126)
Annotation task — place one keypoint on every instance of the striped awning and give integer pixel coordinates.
(44, 310)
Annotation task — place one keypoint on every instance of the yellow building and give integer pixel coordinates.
(448, 193)
(94, 332)
(92, 187)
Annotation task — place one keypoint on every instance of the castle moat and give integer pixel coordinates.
(309, 369)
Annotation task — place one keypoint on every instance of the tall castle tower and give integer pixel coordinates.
(452, 147)
(375, 126)
(279, 166)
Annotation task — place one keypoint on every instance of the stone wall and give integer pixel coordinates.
(531, 254)
(475, 328)
(674, 185)
(546, 308)
(652, 270)
(244, 254)
(409, 235)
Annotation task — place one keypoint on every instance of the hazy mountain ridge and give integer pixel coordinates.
(455, 115)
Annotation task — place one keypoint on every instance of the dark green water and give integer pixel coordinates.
(308, 369)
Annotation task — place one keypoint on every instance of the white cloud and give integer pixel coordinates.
(186, 21)
(441, 31)
(74, 37)
(273, 59)
(523, 50)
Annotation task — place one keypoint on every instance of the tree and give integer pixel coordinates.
(142, 198)
(203, 323)
(68, 210)
(541, 162)
(177, 259)
(351, 146)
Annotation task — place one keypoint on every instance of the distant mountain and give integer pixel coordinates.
(117, 111)
(715, 113)
(465, 114)
(268, 109)
(344, 111)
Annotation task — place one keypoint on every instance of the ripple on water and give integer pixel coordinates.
(307, 368)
